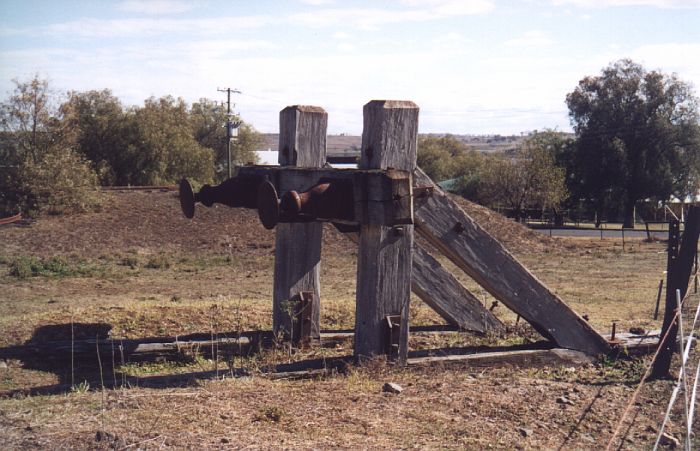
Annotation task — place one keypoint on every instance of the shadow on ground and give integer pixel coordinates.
(84, 355)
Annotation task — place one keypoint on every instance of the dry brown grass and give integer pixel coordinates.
(221, 282)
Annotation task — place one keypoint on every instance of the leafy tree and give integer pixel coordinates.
(104, 132)
(444, 157)
(637, 137)
(208, 121)
(39, 169)
(166, 150)
(529, 180)
(27, 116)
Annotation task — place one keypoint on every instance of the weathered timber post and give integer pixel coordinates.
(389, 140)
(302, 143)
(679, 269)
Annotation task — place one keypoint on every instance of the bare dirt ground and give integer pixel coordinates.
(142, 270)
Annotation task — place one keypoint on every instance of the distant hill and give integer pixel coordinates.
(334, 143)
(350, 144)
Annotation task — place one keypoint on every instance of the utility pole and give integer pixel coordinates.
(231, 126)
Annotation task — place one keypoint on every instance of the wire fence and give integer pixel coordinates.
(682, 383)
(682, 380)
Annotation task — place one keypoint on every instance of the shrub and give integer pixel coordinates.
(269, 413)
(41, 171)
(130, 261)
(24, 267)
(158, 262)
(57, 266)
(60, 181)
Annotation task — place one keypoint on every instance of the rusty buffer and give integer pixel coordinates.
(236, 192)
(328, 200)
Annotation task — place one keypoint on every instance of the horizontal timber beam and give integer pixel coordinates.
(379, 196)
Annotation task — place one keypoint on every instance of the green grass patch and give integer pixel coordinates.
(25, 267)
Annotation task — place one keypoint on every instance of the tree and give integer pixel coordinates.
(104, 132)
(26, 116)
(529, 180)
(166, 149)
(637, 137)
(436, 156)
(446, 157)
(39, 168)
(208, 123)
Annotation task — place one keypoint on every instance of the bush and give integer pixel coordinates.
(158, 262)
(130, 261)
(25, 267)
(40, 170)
(61, 181)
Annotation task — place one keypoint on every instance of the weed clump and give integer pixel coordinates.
(131, 261)
(24, 267)
(158, 262)
(269, 413)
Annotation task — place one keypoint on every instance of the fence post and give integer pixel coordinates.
(679, 268)
(302, 143)
(389, 140)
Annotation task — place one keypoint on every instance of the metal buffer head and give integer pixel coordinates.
(187, 199)
(236, 192)
(328, 200)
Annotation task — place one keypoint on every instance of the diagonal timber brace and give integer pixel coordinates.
(441, 290)
(447, 227)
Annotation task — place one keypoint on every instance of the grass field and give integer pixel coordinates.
(147, 278)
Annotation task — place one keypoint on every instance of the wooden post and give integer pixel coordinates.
(302, 143)
(442, 292)
(695, 272)
(658, 298)
(679, 268)
(389, 140)
(623, 238)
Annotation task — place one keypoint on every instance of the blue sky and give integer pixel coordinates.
(480, 66)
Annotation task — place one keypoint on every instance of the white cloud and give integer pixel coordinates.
(346, 47)
(453, 38)
(671, 57)
(217, 48)
(100, 28)
(453, 7)
(317, 2)
(365, 18)
(666, 4)
(462, 8)
(453, 43)
(530, 39)
(371, 18)
(341, 35)
(159, 7)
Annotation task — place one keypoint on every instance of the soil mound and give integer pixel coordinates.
(514, 236)
(150, 221)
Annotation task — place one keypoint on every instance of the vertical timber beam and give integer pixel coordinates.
(302, 143)
(679, 269)
(442, 292)
(389, 140)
